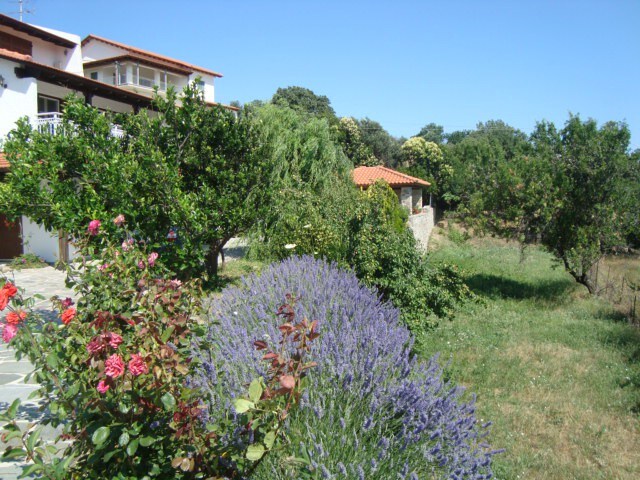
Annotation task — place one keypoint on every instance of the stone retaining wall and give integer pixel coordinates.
(422, 225)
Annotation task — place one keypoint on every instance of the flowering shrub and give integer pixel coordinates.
(371, 409)
(112, 376)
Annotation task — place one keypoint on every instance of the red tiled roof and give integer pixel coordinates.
(4, 164)
(143, 59)
(365, 176)
(34, 31)
(131, 49)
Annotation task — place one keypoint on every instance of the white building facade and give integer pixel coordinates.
(40, 67)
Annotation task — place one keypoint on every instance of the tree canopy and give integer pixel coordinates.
(566, 191)
(195, 170)
(304, 100)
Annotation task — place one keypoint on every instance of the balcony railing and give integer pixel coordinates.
(48, 122)
(51, 123)
(144, 82)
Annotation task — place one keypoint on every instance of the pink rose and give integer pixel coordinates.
(103, 386)
(152, 259)
(8, 332)
(119, 220)
(114, 366)
(114, 339)
(95, 346)
(141, 265)
(127, 244)
(94, 227)
(137, 366)
(103, 267)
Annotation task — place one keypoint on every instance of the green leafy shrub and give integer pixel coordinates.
(112, 374)
(383, 254)
(27, 260)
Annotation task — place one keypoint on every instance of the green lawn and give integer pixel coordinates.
(558, 372)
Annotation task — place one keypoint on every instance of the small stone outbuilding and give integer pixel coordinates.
(410, 191)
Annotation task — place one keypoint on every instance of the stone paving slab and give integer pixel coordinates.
(46, 282)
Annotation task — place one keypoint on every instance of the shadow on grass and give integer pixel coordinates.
(626, 339)
(494, 286)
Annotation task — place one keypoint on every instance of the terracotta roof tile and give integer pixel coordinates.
(15, 55)
(365, 176)
(131, 49)
(4, 164)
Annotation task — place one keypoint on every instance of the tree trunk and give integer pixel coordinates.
(212, 260)
(582, 278)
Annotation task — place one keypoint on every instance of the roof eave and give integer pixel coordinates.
(129, 48)
(36, 32)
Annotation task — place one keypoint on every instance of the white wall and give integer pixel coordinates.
(38, 241)
(20, 98)
(209, 89)
(97, 50)
(72, 59)
(69, 59)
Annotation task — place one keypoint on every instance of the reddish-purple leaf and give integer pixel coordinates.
(260, 345)
(287, 382)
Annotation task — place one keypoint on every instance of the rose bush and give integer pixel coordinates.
(112, 375)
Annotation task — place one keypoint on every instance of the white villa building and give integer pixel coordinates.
(39, 67)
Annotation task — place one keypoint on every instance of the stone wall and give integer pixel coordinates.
(422, 225)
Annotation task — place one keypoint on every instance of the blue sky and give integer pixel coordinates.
(402, 63)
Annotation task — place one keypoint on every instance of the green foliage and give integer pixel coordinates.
(311, 181)
(195, 170)
(383, 146)
(27, 260)
(432, 133)
(317, 210)
(113, 376)
(471, 157)
(304, 100)
(383, 253)
(425, 160)
(354, 148)
(567, 192)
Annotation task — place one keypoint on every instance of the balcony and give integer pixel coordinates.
(51, 123)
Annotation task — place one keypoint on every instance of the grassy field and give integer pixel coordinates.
(558, 372)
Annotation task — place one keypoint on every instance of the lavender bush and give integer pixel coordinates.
(371, 410)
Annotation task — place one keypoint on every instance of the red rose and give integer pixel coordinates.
(68, 315)
(7, 292)
(15, 318)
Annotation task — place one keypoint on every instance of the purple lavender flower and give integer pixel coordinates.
(396, 412)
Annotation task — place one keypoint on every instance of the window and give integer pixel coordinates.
(94, 75)
(200, 85)
(48, 104)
